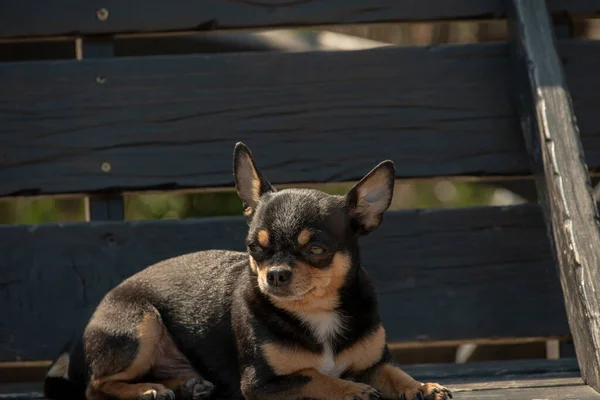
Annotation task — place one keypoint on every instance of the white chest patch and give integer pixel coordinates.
(326, 326)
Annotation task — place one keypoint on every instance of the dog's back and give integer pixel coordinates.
(190, 290)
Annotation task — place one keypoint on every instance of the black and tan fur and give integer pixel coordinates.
(294, 317)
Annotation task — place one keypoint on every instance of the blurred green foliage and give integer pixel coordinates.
(25, 210)
(35, 210)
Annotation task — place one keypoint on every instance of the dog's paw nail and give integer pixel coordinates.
(420, 396)
(171, 394)
(148, 395)
(402, 397)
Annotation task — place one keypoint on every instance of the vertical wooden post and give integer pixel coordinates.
(564, 188)
(101, 208)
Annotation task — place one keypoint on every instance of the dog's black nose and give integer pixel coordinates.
(279, 276)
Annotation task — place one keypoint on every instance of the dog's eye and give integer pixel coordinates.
(316, 250)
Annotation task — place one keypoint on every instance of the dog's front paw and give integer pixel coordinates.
(427, 391)
(196, 389)
(360, 391)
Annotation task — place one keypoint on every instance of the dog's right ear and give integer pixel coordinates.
(249, 182)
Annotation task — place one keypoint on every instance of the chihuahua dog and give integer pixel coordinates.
(294, 317)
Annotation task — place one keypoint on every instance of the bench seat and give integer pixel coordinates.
(507, 380)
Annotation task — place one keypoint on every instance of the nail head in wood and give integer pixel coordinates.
(102, 14)
(106, 167)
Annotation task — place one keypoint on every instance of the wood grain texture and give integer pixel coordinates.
(538, 374)
(564, 189)
(501, 371)
(172, 121)
(169, 122)
(472, 273)
(34, 17)
(111, 207)
(540, 391)
(105, 208)
(574, 392)
(570, 392)
(549, 379)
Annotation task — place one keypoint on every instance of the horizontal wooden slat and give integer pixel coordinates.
(499, 370)
(35, 17)
(172, 121)
(579, 392)
(467, 273)
(559, 377)
(168, 122)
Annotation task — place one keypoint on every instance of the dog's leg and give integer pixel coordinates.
(121, 344)
(173, 370)
(397, 384)
(309, 384)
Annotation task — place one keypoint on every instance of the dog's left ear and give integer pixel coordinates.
(249, 182)
(368, 199)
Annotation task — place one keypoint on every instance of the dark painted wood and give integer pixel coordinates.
(35, 17)
(537, 375)
(558, 379)
(107, 207)
(499, 370)
(22, 390)
(323, 117)
(172, 121)
(540, 391)
(525, 188)
(30, 51)
(97, 48)
(579, 392)
(564, 188)
(446, 274)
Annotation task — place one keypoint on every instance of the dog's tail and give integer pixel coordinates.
(59, 382)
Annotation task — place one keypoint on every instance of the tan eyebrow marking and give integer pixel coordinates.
(304, 237)
(263, 237)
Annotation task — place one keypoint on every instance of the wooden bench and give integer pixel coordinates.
(101, 126)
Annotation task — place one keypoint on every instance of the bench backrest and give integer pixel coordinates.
(103, 125)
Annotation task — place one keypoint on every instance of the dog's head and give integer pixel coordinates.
(302, 242)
